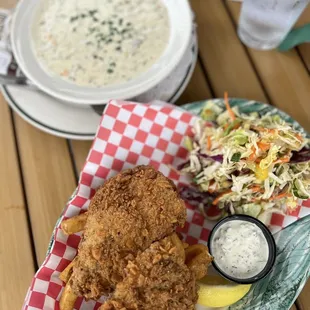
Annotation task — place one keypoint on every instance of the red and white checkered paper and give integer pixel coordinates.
(129, 134)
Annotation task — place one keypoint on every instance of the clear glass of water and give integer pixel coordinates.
(263, 24)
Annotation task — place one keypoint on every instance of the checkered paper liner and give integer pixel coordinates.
(129, 134)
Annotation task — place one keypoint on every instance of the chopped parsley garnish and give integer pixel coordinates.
(92, 12)
(74, 18)
(236, 157)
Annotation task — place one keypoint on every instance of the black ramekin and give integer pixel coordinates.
(268, 236)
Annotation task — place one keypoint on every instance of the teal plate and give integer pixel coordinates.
(281, 287)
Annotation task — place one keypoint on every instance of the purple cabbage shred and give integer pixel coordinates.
(300, 157)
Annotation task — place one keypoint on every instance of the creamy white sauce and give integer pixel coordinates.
(240, 249)
(100, 42)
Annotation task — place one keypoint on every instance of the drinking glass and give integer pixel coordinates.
(264, 24)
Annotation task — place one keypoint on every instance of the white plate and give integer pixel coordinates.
(181, 26)
(51, 115)
(79, 122)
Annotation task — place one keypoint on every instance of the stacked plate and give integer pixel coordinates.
(69, 110)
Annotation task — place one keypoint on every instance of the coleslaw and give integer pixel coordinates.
(248, 164)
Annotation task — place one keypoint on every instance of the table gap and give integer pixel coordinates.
(80, 151)
(205, 73)
(302, 51)
(73, 162)
(295, 307)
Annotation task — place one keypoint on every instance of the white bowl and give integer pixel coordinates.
(180, 17)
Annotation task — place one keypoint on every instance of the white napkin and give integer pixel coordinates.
(5, 54)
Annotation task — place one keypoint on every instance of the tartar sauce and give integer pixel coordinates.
(240, 249)
(100, 42)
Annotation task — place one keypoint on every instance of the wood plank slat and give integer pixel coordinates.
(223, 56)
(16, 257)
(197, 89)
(48, 177)
(294, 307)
(304, 49)
(283, 76)
(80, 151)
(304, 17)
(303, 300)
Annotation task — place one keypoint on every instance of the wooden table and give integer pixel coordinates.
(38, 172)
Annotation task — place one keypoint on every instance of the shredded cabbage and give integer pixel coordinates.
(255, 174)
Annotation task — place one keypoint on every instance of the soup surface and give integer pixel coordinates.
(97, 43)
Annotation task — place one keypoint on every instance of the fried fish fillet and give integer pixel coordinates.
(157, 278)
(127, 214)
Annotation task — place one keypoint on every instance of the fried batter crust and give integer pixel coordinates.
(157, 279)
(126, 215)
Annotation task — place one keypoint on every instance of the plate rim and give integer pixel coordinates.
(37, 124)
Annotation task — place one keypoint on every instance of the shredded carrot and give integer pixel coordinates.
(280, 196)
(256, 189)
(225, 126)
(272, 131)
(237, 126)
(218, 198)
(252, 157)
(209, 143)
(299, 137)
(261, 129)
(263, 146)
(230, 111)
(282, 160)
(65, 72)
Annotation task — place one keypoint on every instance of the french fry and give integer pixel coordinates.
(178, 244)
(192, 251)
(67, 272)
(68, 298)
(74, 224)
(197, 258)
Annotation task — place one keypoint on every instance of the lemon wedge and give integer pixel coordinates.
(216, 292)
